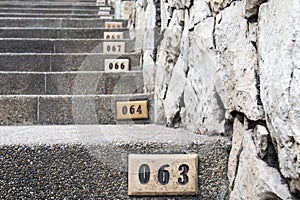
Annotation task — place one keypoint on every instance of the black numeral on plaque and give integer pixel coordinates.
(132, 110)
(144, 174)
(116, 66)
(163, 175)
(113, 48)
(184, 170)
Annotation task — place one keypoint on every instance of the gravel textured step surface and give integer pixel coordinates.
(90, 162)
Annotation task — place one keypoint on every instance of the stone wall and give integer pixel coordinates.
(228, 67)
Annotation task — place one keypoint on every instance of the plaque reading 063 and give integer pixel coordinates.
(162, 174)
(132, 110)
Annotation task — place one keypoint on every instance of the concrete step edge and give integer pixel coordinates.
(71, 72)
(93, 134)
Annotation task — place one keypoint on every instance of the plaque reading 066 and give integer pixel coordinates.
(132, 110)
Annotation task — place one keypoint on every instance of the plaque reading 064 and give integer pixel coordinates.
(132, 110)
(162, 174)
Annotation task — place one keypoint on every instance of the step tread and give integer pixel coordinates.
(89, 163)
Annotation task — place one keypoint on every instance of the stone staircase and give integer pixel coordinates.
(52, 64)
(64, 65)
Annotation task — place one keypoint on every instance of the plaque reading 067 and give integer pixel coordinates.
(132, 110)
(162, 174)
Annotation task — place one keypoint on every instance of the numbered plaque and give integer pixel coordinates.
(132, 110)
(162, 174)
(100, 3)
(116, 65)
(106, 17)
(113, 35)
(106, 8)
(113, 25)
(113, 47)
(104, 13)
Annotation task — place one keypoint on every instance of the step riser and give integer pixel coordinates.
(47, 2)
(58, 33)
(58, 46)
(29, 15)
(50, 11)
(53, 5)
(56, 23)
(25, 110)
(67, 84)
(53, 63)
(102, 168)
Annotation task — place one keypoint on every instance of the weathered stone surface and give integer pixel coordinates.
(174, 96)
(279, 51)
(255, 179)
(237, 62)
(251, 8)
(199, 12)
(236, 148)
(218, 5)
(168, 55)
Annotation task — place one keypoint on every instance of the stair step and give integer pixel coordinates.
(55, 22)
(62, 62)
(66, 109)
(53, 15)
(89, 2)
(34, 45)
(65, 33)
(49, 10)
(91, 162)
(67, 83)
(53, 5)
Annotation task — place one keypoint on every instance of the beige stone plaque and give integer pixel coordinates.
(104, 13)
(105, 8)
(106, 17)
(113, 47)
(113, 25)
(113, 35)
(100, 3)
(116, 65)
(132, 110)
(162, 174)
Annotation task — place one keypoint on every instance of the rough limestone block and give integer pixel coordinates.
(279, 51)
(236, 83)
(265, 182)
